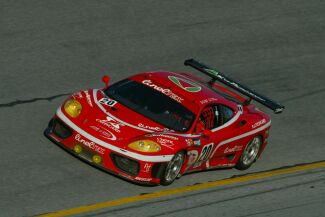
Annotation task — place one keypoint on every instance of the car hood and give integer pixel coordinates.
(113, 123)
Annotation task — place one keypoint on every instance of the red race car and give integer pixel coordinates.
(155, 126)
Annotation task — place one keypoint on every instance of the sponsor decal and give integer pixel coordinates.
(212, 71)
(143, 179)
(232, 83)
(89, 144)
(197, 142)
(185, 84)
(189, 142)
(162, 135)
(204, 101)
(107, 101)
(77, 95)
(165, 142)
(88, 98)
(166, 91)
(152, 128)
(104, 133)
(147, 167)
(233, 149)
(259, 123)
(111, 124)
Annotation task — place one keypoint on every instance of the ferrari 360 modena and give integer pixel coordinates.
(153, 127)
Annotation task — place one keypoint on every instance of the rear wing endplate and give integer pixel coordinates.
(218, 76)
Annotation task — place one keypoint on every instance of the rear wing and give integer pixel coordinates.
(218, 76)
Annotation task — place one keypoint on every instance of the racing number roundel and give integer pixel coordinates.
(185, 84)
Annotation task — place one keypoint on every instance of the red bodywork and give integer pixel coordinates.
(106, 130)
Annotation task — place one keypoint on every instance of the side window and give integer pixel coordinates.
(208, 119)
(226, 114)
(213, 116)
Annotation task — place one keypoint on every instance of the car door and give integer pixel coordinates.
(212, 128)
(203, 145)
(227, 139)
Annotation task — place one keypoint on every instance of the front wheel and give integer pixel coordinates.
(250, 153)
(173, 168)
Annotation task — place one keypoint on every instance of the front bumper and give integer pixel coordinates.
(135, 170)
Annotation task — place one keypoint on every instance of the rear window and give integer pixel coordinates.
(152, 104)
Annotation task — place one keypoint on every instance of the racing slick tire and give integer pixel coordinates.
(249, 155)
(173, 168)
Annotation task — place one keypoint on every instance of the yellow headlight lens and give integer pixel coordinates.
(73, 108)
(77, 149)
(97, 159)
(145, 146)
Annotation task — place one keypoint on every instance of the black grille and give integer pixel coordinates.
(60, 129)
(125, 164)
(158, 170)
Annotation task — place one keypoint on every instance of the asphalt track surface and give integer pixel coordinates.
(49, 49)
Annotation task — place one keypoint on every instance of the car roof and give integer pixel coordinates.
(193, 90)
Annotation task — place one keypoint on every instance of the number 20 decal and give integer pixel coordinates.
(205, 153)
(107, 101)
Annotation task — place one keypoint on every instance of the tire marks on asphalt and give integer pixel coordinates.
(27, 101)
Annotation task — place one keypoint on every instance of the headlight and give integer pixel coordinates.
(145, 146)
(73, 108)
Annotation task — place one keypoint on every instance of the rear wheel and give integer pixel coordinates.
(173, 168)
(250, 153)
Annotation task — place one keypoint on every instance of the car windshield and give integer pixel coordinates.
(152, 104)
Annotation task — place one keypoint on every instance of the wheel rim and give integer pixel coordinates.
(251, 151)
(174, 167)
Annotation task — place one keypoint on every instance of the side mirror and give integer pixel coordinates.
(105, 79)
(207, 133)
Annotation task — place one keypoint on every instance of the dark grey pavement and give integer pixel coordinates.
(51, 48)
(298, 195)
